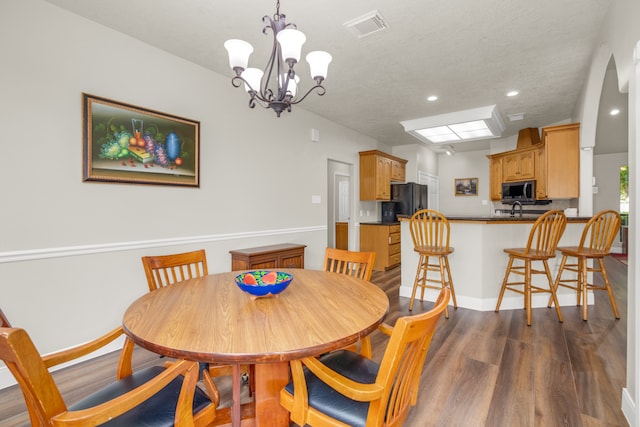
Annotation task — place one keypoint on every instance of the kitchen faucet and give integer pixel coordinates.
(513, 208)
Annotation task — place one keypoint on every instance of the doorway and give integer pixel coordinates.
(340, 202)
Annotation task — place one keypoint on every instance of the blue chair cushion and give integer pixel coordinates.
(328, 401)
(159, 410)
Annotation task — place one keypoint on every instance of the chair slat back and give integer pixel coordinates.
(41, 395)
(429, 228)
(601, 230)
(546, 232)
(356, 264)
(402, 364)
(164, 270)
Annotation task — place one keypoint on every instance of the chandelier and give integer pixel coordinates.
(277, 86)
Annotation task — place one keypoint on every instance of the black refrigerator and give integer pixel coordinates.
(409, 198)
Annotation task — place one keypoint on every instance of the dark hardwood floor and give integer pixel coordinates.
(483, 368)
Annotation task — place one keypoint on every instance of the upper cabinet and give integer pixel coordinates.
(554, 163)
(495, 178)
(562, 161)
(518, 166)
(377, 170)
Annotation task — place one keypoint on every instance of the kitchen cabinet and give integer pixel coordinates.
(286, 255)
(377, 171)
(541, 173)
(554, 163)
(519, 166)
(562, 161)
(384, 240)
(398, 170)
(342, 235)
(495, 179)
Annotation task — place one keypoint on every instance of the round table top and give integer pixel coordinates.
(210, 319)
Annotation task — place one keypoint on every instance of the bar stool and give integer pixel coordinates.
(595, 244)
(430, 235)
(541, 246)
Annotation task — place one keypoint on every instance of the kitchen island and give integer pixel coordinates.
(478, 262)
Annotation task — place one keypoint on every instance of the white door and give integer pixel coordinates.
(433, 192)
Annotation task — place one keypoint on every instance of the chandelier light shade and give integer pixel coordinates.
(277, 86)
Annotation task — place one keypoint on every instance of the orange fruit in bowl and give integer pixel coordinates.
(270, 278)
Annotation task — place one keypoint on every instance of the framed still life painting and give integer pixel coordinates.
(128, 144)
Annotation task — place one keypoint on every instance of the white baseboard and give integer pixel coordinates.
(629, 408)
(7, 379)
(508, 302)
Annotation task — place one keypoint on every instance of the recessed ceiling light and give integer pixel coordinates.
(512, 93)
(432, 98)
(614, 111)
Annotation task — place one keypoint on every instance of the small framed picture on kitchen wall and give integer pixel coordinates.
(128, 144)
(466, 186)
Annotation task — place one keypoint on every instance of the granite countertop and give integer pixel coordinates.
(380, 223)
(501, 219)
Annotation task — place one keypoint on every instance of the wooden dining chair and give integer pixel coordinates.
(343, 388)
(595, 244)
(541, 246)
(355, 264)
(430, 234)
(154, 396)
(165, 270)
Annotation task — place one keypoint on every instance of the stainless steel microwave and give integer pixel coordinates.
(521, 191)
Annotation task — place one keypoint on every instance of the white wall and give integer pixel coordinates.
(473, 164)
(70, 251)
(619, 37)
(606, 170)
(419, 159)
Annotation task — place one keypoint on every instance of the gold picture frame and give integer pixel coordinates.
(466, 186)
(128, 144)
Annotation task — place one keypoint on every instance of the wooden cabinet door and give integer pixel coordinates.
(342, 235)
(518, 166)
(541, 174)
(527, 165)
(510, 167)
(562, 147)
(383, 178)
(398, 171)
(495, 179)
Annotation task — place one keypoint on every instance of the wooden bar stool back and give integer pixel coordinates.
(430, 235)
(355, 264)
(597, 237)
(541, 246)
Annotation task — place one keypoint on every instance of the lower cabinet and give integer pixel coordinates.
(384, 240)
(286, 255)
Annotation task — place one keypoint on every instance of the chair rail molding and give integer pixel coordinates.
(67, 251)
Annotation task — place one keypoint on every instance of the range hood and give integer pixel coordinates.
(528, 137)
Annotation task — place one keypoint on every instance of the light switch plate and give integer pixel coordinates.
(315, 199)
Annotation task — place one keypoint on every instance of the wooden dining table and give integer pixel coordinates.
(210, 319)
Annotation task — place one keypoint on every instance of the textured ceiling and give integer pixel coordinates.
(467, 52)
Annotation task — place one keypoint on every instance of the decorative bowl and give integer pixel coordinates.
(262, 283)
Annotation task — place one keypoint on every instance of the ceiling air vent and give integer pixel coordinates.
(369, 23)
